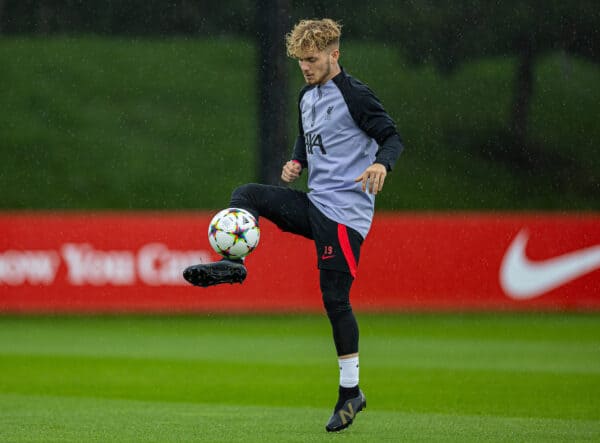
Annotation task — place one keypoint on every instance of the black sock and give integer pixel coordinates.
(235, 260)
(345, 394)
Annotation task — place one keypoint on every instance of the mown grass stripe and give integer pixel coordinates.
(54, 418)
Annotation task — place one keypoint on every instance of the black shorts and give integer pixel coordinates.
(337, 245)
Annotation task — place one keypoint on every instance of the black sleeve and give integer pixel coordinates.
(389, 151)
(370, 116)
(299, 153)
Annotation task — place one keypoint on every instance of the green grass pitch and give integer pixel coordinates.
(427, 377)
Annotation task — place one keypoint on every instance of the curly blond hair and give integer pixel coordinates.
(312, 35)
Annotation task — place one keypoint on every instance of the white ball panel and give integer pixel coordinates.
(239, 249)
(252, 236)
(224, 240)
(228, 223)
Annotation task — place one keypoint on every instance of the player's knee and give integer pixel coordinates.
(335, 305)
(247, 197)
(335, 289)
(245, 192)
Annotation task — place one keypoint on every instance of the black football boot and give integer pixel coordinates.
(208, 274)
(345, 411)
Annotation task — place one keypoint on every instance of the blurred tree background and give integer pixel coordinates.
(170, 104)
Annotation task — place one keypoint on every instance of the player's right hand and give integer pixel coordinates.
(291, 171)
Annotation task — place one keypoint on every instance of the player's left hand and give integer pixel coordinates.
(373, 178)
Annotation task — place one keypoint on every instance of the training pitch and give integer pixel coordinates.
(430, 377)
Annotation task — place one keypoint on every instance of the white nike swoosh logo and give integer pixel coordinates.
(523, 279)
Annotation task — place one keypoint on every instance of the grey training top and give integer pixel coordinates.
(343, 130)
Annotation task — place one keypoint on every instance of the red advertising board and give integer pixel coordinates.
(132, 262)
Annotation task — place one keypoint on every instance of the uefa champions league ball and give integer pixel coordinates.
(233, 233)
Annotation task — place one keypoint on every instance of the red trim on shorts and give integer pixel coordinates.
(347, 249)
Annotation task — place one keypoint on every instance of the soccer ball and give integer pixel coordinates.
(233, 233)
